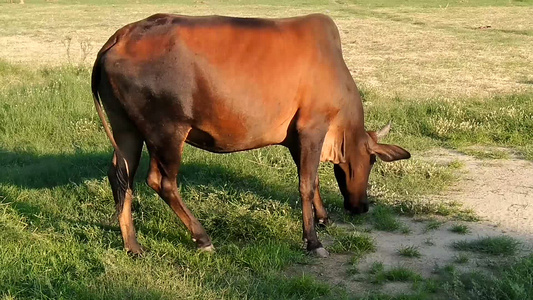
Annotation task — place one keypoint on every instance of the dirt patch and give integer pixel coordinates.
(499, 191)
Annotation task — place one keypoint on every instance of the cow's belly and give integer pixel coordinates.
(235, 138)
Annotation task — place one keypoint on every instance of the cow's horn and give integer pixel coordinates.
(383, 131)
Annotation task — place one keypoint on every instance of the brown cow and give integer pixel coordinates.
(232, 84)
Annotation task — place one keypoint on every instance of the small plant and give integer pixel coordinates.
(352, 269)
(460, 229)
(433, 225)
(353, 242)
(409, 251)
(500, 245)
(395, 274)
(461, 259)
(376, 267)
(405, 229)
(383, 219)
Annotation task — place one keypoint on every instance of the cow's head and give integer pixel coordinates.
(359, 157)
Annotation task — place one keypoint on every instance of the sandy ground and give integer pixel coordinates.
(500, 192)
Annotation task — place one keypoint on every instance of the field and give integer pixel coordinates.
(453, 222)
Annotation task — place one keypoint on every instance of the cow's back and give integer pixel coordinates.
(239, 83)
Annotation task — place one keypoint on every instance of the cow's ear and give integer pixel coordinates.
(387, 152)
(334, 147)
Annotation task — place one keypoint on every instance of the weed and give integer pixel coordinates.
(501, 245)
(376, 267)
(353, 242)
(433, 225)
(460, 229)
(405, 229)
(384, 219)
(461, 259)
(395, 274)
(509, 281)
(409, 251)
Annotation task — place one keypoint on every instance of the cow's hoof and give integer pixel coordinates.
(322, 222)
(320, 252)
(136, 252)
(208, 249)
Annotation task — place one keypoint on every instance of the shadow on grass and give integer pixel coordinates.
(32, 171)
(24, 170)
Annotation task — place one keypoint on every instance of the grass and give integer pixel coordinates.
(460, 229)
(500, 245)
(509, 281)
(384, 219)
(352, 242)
(393, 185)
(461, 259)
(502, 121)
(409, 251)
(397, 274)
(433, 225)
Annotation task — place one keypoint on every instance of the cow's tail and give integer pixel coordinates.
(121, 183)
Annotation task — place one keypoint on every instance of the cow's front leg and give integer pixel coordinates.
(310, 146)
(321, 216)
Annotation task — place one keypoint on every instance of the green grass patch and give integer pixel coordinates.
(499, 121)
(460, 229)
(509, 281)
(501, 245)
(384, 219)
(398, 186)
(352, 242)
(409, 251)
(461, 259)
(397, 274)
(433, 225)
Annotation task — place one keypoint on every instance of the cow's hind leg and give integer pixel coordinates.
(121, 175)
(164, 167)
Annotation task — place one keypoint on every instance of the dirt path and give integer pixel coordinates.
(500, 191)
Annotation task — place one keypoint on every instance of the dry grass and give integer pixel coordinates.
(406, 52)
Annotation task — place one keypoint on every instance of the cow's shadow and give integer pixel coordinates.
(28, 170)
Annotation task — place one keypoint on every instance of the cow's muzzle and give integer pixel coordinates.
(358, 209)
